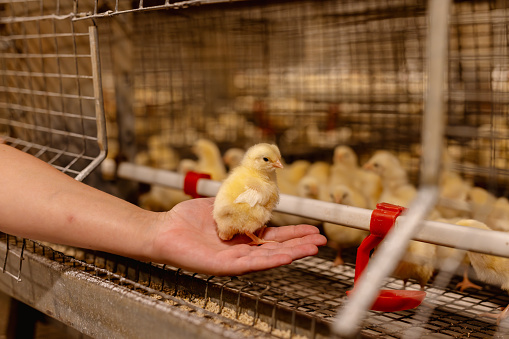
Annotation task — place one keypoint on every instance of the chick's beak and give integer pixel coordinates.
(278, 164)
(368, 167)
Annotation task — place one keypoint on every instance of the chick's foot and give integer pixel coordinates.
(466, 283)
(257, 240)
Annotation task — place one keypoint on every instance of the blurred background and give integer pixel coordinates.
(152, 78)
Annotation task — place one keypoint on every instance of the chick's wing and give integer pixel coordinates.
(249, 196)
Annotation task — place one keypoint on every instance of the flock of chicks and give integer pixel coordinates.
(251, 187)
(383, 179)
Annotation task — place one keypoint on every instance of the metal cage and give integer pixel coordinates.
(307, 75)
(51, 94)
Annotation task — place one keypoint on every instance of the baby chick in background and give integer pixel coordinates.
(489, 268)
(161, 198)
(453, 196)
(481, 203)
(443, 253)
(498, 219)
(418, 262)
(245, 200)
(161, 154)
(453, 190)
(344, 163)
(290, 176)
(308, 187)
(232, 157)
(320, 171)
(209, 159)
(341, 237)
(346, 170)
(395, 186)
(186, 165)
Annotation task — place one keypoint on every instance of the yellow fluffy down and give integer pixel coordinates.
(246, 198)
(489, 268)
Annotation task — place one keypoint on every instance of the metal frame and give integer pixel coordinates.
(353, 312)
(299, 299)
(75, 293)
(66, 160)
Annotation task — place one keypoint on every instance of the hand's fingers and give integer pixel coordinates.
(311, 239)
(283, 233)
(263, 259)
(295, 251)
(258, 263)
(244, 259)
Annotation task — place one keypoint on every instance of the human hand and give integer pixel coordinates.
(186, 237)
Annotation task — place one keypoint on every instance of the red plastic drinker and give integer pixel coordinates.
(382, 220)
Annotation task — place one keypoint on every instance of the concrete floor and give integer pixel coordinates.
(45, 327)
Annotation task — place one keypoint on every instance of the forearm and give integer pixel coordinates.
(39, 202)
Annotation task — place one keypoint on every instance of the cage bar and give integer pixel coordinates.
(306, 75)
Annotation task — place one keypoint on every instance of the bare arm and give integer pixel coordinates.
(39, 202)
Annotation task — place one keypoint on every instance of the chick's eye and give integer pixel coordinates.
(266, 159)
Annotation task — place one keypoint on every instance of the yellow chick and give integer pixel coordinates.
(290, 176)
(453, 195)
(161, 154)
(498, 219)
(489, 268)
(396, 188)
(308, 187)
(443, 253)
(319, 170)
(346, 170)
(453, 190)
(161, 198)
(186, 165)
(481, 203)
(232, 157)
(418, 263)
(209, 159)
(245, 200)
(341, 237)
(344, 161)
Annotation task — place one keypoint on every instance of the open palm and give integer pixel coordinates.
(188, 239)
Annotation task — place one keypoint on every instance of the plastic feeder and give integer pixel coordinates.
(382, 220)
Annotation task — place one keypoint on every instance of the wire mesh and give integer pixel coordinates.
(298, 300)
(282, 73)
(50, 92)
(307, 75)
(477, 91)
(312, 75)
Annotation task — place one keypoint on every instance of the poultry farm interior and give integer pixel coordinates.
(122, 94)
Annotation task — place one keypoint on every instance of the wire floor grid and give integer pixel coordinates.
(301, 298)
